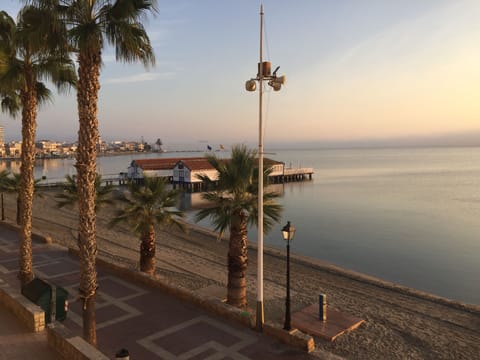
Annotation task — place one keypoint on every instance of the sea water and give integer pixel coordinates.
(407, 215)
(411, 216)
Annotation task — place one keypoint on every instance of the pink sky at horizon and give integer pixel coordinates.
(368, 70)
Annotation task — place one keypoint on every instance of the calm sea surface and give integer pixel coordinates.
(411, 216)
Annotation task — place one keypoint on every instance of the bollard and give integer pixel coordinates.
(322, 307)
(122, 354)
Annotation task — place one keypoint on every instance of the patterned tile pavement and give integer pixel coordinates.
(147, 322)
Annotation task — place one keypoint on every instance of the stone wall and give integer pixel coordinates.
(69, 346)
(30, 315)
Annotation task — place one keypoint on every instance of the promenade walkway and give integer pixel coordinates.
(17, 343)
(147, 322)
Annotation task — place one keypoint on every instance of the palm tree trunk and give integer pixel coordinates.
(3, 209)
(87, 98)
(147, 251)
(237, 261)
(25, 195)
(19, 211)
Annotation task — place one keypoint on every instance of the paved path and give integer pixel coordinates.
(147, 322)
(16, 342)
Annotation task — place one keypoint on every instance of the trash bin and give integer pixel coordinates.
(51, 298)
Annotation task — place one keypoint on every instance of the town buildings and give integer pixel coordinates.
(57, 149)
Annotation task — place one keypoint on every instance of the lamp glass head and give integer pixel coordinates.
(281, 79)
(276, 86)
(250, 85)
(288, 232)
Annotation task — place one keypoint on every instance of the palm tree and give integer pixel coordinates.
(234, 207)
(69, 196)
(29, 53)
(148, 206)
(3, 188)
(91, 24)
(13, 185)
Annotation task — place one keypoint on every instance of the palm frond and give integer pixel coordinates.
(12, 184)
(237, 190)
(44, 95)
(11, 104)
(125, 31)
(69, 196)
(147, 204)
(4, 180)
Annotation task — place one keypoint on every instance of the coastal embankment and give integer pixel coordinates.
(401, 323)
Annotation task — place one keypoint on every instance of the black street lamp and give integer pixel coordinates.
(288, 232)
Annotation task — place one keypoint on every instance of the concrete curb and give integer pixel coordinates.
(35, 236)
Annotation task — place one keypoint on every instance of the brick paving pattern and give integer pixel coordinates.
(147, 322)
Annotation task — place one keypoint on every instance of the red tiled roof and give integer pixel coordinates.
(197, 164)
(194, 163)
(271, 162)
(157, 164)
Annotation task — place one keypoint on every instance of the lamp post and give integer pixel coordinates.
(288, 232)
(264, 73)
(276, 82)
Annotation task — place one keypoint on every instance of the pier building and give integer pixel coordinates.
(183, 172)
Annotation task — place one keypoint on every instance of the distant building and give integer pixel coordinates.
(158, 146)
(185, 173)
(48, 148)
(162, 167)
(13, 149)
(101, 145)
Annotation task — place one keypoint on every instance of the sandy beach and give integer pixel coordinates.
(400, 323)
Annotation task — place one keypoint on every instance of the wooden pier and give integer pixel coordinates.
(277, 177)
(292, 175)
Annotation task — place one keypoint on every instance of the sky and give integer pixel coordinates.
(357, 71)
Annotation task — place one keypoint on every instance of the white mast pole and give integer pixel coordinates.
(260, 312)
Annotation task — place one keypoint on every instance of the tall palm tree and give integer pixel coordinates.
(69, 196)
(91, 24)
(30, 51)
(234, 207)
(146, 207)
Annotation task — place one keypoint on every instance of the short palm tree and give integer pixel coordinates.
(4, 174)
(29, 53)
(69, 196)
(148, 206)
(13, 185)
(92, 24)
(234, 207)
